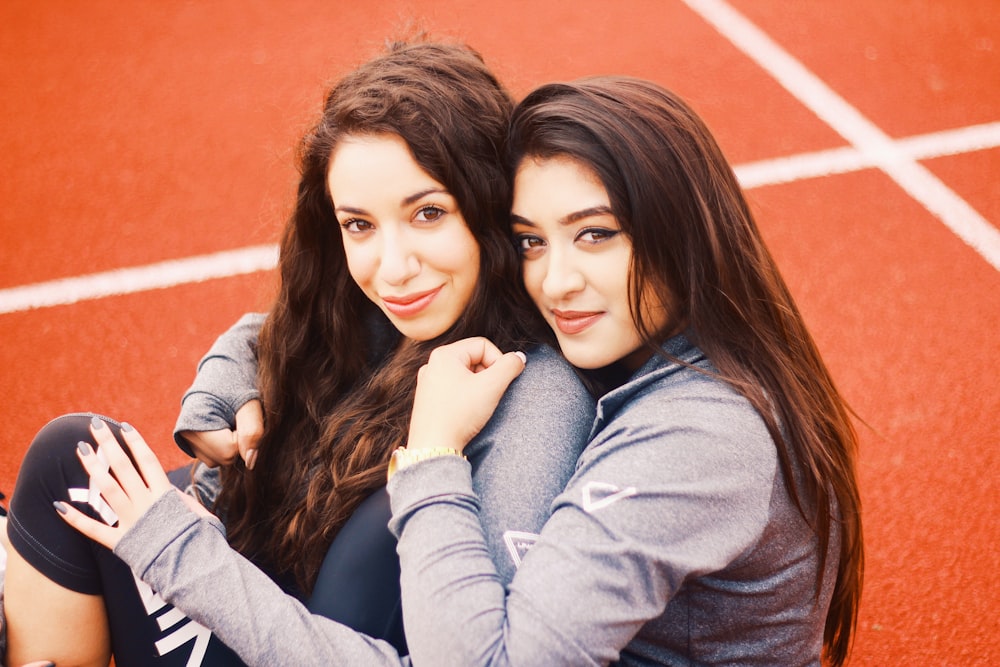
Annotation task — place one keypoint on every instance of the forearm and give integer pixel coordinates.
(225, 381)
(455, 607)
(188, 562)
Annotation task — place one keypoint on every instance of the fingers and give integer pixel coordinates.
(146, 460)
(493, 381)
(128, 476)
(98, 531)
(249, 428)
(507, 367)
(458, 390)
(145, 473)
(101, 479)
(474, 353)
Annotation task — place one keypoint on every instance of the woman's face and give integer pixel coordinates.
(576, 261)
(407, 245)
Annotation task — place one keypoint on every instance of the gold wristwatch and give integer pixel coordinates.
(403, 457)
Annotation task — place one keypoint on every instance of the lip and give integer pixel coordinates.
(410, 304)
(572, 322)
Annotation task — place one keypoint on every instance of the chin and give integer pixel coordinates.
(419, 331)
(582, 360)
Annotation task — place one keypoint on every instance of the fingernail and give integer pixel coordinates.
(524, 357)
(97, 422)
(126, 427)
(251, 458)
(84, 448)
(60, 507)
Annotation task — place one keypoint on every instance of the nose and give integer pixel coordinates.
(398, 263)
(562, 275)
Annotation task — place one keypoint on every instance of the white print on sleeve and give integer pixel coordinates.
(598, 495)
(518, 544)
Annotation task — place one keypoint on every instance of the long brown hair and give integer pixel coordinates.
(336, 379)
(696, 246)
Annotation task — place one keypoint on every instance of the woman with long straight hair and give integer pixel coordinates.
(714, 518)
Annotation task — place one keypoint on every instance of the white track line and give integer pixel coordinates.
(262, 258)
(843, 160)
(139, 278)
(874, 145)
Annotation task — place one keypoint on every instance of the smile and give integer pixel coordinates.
(573, 322)
(410, 304)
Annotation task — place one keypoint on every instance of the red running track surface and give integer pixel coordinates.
(137, 133)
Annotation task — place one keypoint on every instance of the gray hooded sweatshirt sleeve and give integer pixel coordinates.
(225, 381)
(519, 462)
(676, 542)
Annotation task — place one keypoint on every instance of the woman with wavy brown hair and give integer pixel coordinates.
(398, 243)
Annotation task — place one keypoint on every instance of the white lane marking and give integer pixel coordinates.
(139, 279)
(847, 159)
(263, 258)
(876, 146)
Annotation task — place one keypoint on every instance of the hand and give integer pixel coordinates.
(215, 448)
(130, 492)
(457, 391)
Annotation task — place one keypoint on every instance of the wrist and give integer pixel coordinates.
(404, 457)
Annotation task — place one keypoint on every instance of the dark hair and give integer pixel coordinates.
(695, 245)
(336, 400)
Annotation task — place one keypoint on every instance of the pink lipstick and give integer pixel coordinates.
(574, 321)
(410, 304)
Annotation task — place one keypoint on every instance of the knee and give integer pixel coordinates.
(71, 429)
(56, 441)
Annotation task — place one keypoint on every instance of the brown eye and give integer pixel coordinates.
(529, 245)
(595, 235)
(356, 226)
(430, 214)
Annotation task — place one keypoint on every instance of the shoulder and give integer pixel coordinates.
(549, 381)
(546, 404)
(691, 420)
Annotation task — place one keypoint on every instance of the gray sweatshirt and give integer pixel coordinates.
(518, 463)
(675, 543)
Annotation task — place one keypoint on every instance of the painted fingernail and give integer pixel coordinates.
(524, 357)
(60, 507)
(126, 427)
(251, 458)
(97, 422)
(84, 448)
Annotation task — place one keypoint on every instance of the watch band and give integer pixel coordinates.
(403, 457)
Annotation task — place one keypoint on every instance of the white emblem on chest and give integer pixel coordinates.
(598, 495)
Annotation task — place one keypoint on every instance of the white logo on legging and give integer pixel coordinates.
(183, 632)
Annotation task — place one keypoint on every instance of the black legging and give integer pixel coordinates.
(358, 584)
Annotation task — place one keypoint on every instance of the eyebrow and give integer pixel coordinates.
(407, 201)
(569, 218)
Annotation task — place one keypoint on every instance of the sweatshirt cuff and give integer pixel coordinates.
(441, 480)
(164, 522)
(203, 411)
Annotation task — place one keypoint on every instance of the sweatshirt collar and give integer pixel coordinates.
(655, 368)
